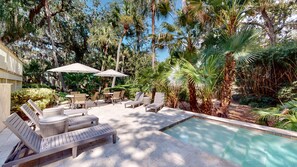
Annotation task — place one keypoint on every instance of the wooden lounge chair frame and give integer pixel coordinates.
(158, 102)
(138, 100)
(32, 146)
(72, 124)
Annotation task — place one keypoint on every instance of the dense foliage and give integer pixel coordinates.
(44, 97)
(271, 69)
(283, 116)
(211, 45)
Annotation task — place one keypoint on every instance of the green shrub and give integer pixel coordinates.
(35, 86)
(130, 93)
(43, 97)
(288, 92)
(284, 116)
(258, 102)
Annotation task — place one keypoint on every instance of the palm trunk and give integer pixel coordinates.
(48, 18)
(118, 59)
(229, 78)
(206, 106)
(105, 54)
(123, 60)
(153, 9)
(192, 94)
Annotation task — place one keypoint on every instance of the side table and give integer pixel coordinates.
(53, 125)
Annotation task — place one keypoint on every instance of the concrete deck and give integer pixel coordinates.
(140, 143)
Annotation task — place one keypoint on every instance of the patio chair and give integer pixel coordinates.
(93, 101)
(122, 95)
(158, 102)
(80, 99)
(115, 96)
(106, 95)
(138, 100)
(32, 146)
(59, 124)
(73, 93)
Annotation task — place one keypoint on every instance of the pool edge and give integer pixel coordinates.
(267, 129)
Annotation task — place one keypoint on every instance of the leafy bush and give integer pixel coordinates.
(131, 92)
(258, 102)
(43, 97)
(35, 86)
(288, 92)
(284, 116)
(84, 83)
(269, 69)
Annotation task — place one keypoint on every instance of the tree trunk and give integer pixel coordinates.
(229, 78)
(48, 18)
(123, 63)
(138, 41)
(118, 59)
(184, 6)
(192, 94)
(206, 106)
(269, 27)
(153, 9)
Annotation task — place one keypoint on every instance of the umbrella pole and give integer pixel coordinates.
(113, 81)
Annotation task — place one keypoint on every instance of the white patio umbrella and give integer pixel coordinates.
(110, 73)
(75, 68)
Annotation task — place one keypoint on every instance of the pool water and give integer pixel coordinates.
(245, 147)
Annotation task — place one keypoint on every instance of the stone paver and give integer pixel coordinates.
(140, 143)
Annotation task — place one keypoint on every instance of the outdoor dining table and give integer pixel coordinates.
(108, 96)
(72, 96)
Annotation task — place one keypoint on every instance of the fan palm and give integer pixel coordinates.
(227, 15)
(182, 40)
(204, 75)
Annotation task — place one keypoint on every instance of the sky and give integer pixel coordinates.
(161, 54)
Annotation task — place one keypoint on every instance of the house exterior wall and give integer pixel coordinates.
(11, 68)
(5, 89)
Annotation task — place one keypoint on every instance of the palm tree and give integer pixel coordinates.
(126, 21)
(228, 16)
(157, 8)
(205, 76)
(181, 39)
(104, 37)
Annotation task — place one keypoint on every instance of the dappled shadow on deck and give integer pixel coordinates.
(140, 143)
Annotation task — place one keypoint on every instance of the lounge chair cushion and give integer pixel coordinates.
(82, 122)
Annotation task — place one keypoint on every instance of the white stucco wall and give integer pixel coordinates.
(11, 68)
(5, 103)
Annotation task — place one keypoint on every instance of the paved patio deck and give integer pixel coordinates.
(140, 143)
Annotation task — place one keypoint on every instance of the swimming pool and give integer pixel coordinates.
(242, 146)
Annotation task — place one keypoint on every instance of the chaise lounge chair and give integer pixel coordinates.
(138, 100)
(56, 110)
(158, 102)
(72, 123)
(32, 146)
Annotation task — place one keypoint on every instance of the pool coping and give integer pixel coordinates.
(275, 131)
(267, 129)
